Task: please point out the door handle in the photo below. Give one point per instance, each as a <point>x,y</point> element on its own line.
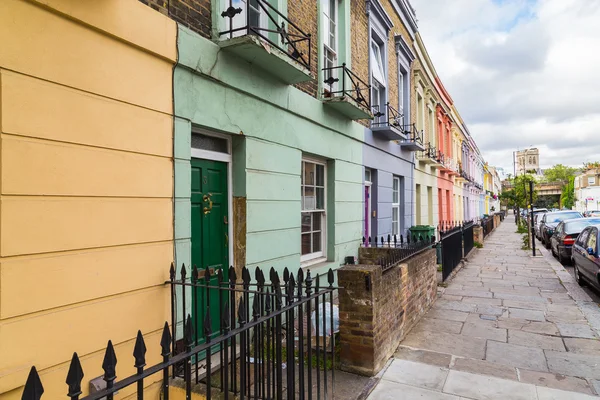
<point>205,198</point>
<point>226,240</point>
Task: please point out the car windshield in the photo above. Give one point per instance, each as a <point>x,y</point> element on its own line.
<point>562,217</point>
<point>578,226</point>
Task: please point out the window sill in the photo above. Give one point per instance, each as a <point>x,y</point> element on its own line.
<point>313,262</point>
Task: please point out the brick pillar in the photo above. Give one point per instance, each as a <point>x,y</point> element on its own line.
<point>478,234</point>
<point>356,304</point>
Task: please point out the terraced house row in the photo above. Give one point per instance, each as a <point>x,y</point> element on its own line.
<point>203,132</point>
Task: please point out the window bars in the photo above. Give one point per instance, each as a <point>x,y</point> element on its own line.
<point>294,41</point>
<point>352,86</point>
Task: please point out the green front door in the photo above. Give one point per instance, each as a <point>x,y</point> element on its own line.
<point>210,241</point>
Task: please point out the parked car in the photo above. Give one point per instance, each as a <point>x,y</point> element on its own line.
<point>585,257</point>
<point>566,234</point>
<point>594,214</point>
<point>537,222</point>
<point>551,220</point>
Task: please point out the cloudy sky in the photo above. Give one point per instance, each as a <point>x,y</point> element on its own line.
<point>521,72</point>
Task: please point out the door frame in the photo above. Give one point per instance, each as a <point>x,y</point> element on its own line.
<point>225,158</point>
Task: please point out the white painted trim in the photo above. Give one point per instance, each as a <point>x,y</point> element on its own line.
<point>324,231</point>
<point>226,158</point>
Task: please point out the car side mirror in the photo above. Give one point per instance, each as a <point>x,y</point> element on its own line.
<point>591,251</point>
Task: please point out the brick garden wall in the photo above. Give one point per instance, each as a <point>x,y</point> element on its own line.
<point>378,309</point>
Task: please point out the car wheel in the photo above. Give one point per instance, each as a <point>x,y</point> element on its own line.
<point>578,276</point>
<point>547,243</point>
<point>562,259</point>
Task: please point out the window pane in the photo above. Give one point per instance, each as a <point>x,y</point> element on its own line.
<point>306,222</point>
<point>320,198</point>
<point>332,35</point>
<point>316,221</point>
<point>332,9</point>
<point>316,242</point>
<point>396,184</point>
<point>395,214</point>
<point>306,244</point>
<point>394,228</point>
<point>320,175</point>
<point>309,198</point>
<point>395,197</point>
<point>309,173</point>
<point>368,175</point>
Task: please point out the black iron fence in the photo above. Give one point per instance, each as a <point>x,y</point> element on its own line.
<point>399,250</point>
<point>352,86</point>
<point>468,239</point>
<point>488,225</point>
<point>456,242</point>
<point>261,19</point>
<point>264,340</point>
<point>452,250</point>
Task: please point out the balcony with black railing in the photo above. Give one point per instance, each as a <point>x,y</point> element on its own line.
<point>388,123</point>
<point>431,155</point>
<point>346,93</point>
<point>414,139</point>
<point>263,36</point>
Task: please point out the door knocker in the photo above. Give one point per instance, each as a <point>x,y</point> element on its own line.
<point>208,209</point>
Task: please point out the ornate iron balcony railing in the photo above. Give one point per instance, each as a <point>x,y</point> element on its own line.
<point>393,118</point>
<point>294,41</point>
<point>413,135</point>
<point>351,85</point>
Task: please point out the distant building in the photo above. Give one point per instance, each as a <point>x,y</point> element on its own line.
<point>587,190</point>
<point>528,161</point>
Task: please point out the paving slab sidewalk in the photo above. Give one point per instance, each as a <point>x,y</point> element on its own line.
<point>508,326</point>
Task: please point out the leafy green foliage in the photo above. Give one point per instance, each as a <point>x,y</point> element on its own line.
<point>568,194</point>
<point>559,173</point>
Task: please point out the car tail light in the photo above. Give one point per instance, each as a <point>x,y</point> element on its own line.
<point>569,241</point>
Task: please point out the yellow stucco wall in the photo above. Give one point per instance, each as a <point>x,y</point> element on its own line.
<point>86,184</point>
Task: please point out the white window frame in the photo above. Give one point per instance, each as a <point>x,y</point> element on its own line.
<point>591,180</point>
<point>263,19</point>
<point>317,256</point>
<point>326,18</point>
<point>396,205</point>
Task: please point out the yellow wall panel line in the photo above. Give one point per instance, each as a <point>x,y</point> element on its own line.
<point>49,339</point>
<point>32,225</point>
<point>38,108</point>
<point>107,272</point>
<point>42,167</point>
<point>149,30</point>
<point>45,45</point>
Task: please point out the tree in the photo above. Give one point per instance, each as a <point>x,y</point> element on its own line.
<point>559,173</point>
<point>518,195</point>
<point>568,194</point>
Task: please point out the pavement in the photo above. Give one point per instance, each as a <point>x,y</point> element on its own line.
<point>508,326</point>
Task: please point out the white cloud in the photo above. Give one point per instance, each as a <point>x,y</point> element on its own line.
<point>521,72</point>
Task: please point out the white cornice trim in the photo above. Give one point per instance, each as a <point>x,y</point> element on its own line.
<point>382,14</point>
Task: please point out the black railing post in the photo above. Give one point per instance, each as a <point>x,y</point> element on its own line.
<point>173,315</point>
<point>109,366</point>
<point>33,386</point>
<point>139,353</point>
<point>308,284</point>
<point>165,343</point>
<point>74,378</point>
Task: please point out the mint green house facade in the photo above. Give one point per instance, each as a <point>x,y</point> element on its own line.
<point>265,174</point>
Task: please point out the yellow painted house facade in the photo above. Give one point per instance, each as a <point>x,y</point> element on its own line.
<point>86,210</point>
